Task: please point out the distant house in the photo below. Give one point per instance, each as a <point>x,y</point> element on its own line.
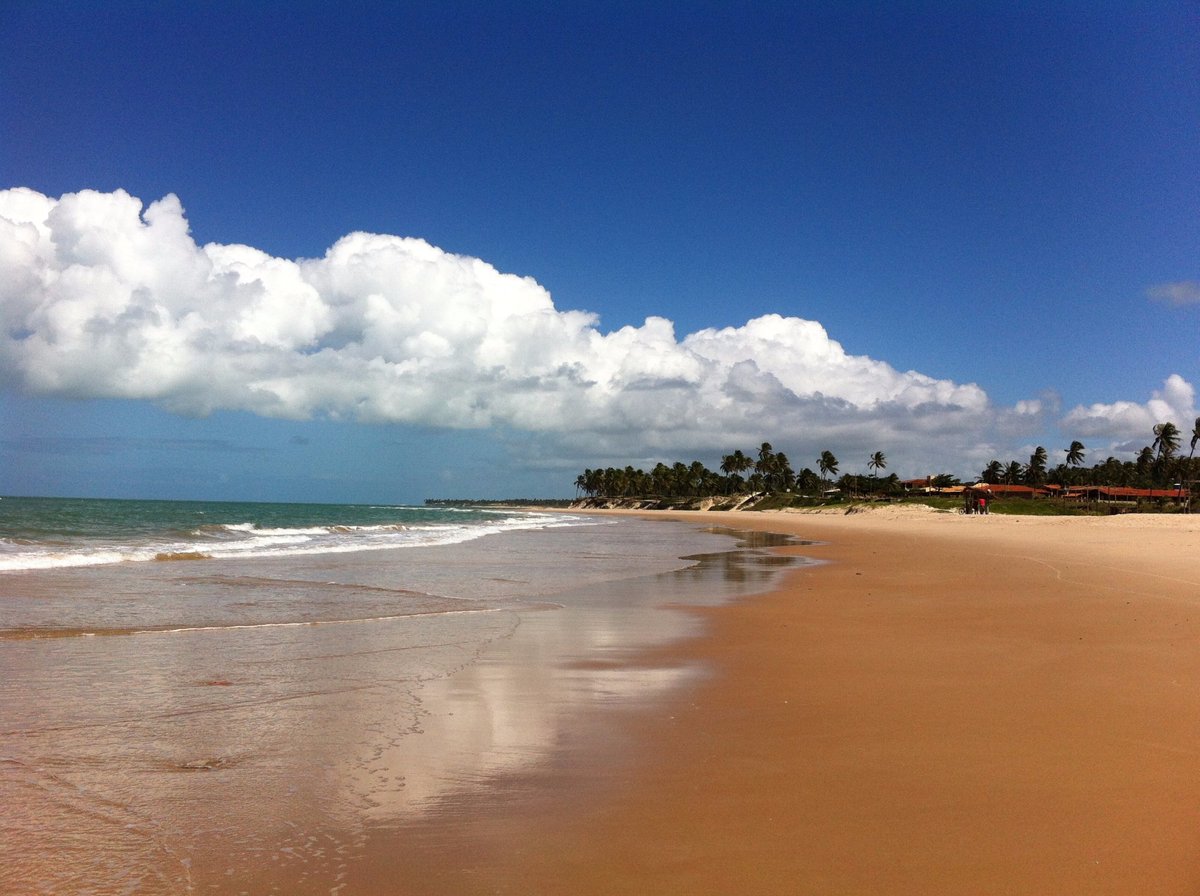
<point>1000,490</point>
<point>1123,494</point>
<point>925,486</point>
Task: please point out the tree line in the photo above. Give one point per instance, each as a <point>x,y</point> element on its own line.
<point>766,470</point>
<point>1160,464</point>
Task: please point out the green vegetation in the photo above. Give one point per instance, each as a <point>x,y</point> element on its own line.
<point>771,473</point>
<point>1158,466</point>
<point>768,483</point>
<point>766,480</point>
<point>1013,506</point>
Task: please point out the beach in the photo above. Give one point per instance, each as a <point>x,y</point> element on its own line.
<point>238,698</point>
<point>949,704</point>
<point>917,702</point>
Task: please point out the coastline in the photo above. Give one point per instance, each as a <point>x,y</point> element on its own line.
<point>244,726</point>
<point>950,704</point>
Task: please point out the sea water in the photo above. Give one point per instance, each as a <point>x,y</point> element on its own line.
<point>51,533</point>
<point>191,692</point>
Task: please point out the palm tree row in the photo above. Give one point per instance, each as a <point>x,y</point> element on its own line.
<point>767,471</point>
<point>1158,465</point>
<point>678,480</point>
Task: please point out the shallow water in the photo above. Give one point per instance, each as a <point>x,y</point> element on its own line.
<point>180,727</point>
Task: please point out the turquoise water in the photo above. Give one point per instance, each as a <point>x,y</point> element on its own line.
<point>46,533</point>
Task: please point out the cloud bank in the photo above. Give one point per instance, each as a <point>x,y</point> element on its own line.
<point>1176,401</point>
<point>102,297</point>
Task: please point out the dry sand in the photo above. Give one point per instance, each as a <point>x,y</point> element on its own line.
<point>950,705</point>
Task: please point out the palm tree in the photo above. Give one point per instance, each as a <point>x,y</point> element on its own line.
<point>851,484</point>
<point>807,481</point>
<point>992,472</point>
<point>877,462</point>
<point>733,465</point>
<point>1166,439</point>
<point>785,476</point>
<point>679,479</point>
<point>828,464</point>
<point>1035,472</point>
<point>1075,454</point>
<point>736,462</point>
<point>766,465</point>
<point>1166,443</point>
<point>660,480</point>
<point>766,460</point>
<point>1187,472</point>
<point>1111,472</point>
<point>1014,472</point>
<point>1145,460</point>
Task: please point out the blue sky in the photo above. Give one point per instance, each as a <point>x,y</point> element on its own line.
<point>963,229</point>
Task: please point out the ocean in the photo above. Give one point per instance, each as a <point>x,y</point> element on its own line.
<point>195,694</point>
<point>49,533</point>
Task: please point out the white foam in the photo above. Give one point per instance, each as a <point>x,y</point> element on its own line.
<point>245,540</point>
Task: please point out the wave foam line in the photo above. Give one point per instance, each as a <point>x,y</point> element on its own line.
<point>261,543</point>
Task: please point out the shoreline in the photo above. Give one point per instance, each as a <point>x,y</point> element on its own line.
<point>952,704</point>
<point>280,714</point>
<point>242,726</point>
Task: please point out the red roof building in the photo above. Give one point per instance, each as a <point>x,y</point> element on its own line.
<point>1125,493</point>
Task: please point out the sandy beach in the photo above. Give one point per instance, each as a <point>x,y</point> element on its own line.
<point>949,704</point>
<point>910,702</point>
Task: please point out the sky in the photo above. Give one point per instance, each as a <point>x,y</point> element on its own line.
<point>376,252</point>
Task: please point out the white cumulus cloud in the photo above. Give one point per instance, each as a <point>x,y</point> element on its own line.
<point>101,296</point>
<point>1125,420</point>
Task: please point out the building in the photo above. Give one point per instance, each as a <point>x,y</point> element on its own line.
<point>1125,495</point>
<point>998,490</point>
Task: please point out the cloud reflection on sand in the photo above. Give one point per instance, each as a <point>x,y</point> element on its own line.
<point>198,756</point>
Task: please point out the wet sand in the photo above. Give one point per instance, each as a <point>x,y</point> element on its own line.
<point>252,726</point>
<point>951,704</point>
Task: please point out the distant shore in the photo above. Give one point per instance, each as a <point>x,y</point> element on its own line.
<point>945,503</point>
<point>950,704</point>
